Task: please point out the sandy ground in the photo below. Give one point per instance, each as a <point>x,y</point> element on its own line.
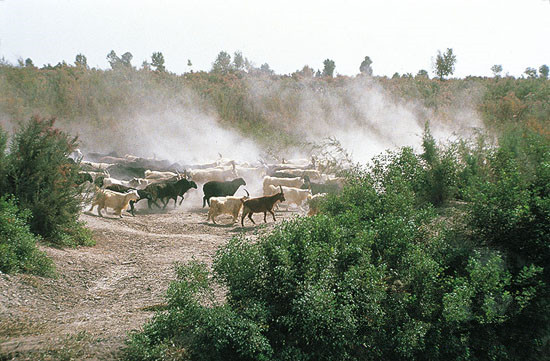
<point>103,292</point>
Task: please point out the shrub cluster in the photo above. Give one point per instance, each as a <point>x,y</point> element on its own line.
<point>45,199</point>
<point>381,275</point>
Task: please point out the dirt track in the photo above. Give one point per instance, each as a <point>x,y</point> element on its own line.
<point>105,291</point>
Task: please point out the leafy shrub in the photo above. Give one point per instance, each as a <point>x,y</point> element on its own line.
<point>377,276</point>
<point>510,210</point>
<point>43,180</point>
<point>18,249</point>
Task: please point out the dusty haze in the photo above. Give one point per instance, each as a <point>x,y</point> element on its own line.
<point>362,115</point>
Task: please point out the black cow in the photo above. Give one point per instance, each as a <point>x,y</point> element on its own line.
<point>170,190</point>
<point>220,189</point>
<point>143,194</point>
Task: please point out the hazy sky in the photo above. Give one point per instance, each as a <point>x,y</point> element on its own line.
<point>398,35</point>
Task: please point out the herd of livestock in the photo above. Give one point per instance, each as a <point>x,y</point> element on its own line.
<point>120,182</point>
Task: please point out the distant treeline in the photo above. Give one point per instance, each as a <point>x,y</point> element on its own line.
<point>77,93</point>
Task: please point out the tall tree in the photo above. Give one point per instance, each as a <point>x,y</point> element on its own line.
<point>329,67</point>
<point>543,71</point>
<point>126,59</point>
<point>222,64</point>
<point>113,60</point>
<point>238,60</point>
<point>365,67</point>
<point>445,63</point>
<point>157,61</point>
<point>496,69</point>
<point>81,61</point>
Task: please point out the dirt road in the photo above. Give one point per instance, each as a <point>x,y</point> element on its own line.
<point>105,291</point>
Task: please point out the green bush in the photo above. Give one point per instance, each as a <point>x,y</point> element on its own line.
<point>42,178</point>
<point>18,248</point>
<point>510,210</point>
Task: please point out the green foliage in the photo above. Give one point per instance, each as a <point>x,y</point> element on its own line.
<point>81,61</point>
<point>18,246</point>
<point>378,275</point>
<point>423,74</point>
<point>510,212</point>
<point>496,69</point>
<point>43,180</point>
<point>445,63</point>
<point>543,71</point>
<point>365,67</point>
<point>222,64</point>
<point>530,72</point>
<point>328,68</point>
<point>157,61</point>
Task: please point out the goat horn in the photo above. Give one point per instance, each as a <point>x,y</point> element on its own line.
<point>280,186</point>
<point>247,194</point>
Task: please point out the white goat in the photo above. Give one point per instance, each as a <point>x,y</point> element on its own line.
<point>274,181</point>
<point>112,199</point>
<point>293,195</point>
<point>213,174</point>
<point>225,205</point>
<point>313,174</point>
<point>153,174</point>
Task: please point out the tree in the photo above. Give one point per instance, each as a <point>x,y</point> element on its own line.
<point>222,64</point>
<point>113,60</point>
<point>126,59</point>
<point>365,67</point>
<point>238,60</point>
<point>306,72</point>
<point>29,63</point>
<point>445,63</point>
<point>496,69</point>
<point>530,72</point>
<point>264,68</point>
<point>81,61</point>
<point>43,180</point>
<point>157,60</point>
<point>543,71</point>
<point>396,75</point>
<point>422,74</point>
<point>329,67</point>
<point>189,62</point>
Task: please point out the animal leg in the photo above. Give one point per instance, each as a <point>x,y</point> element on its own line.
<point>265,215</point>
<point>273,214</point>
<point>132,208</point>
<point>99,211</point>
<point>204,202</point>
<point>250,217</point>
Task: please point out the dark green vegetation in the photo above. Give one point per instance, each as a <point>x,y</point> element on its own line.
<point>441,255</point>
<point>43,202</point>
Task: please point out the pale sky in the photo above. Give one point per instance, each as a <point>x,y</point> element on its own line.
<point>398,35</point>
